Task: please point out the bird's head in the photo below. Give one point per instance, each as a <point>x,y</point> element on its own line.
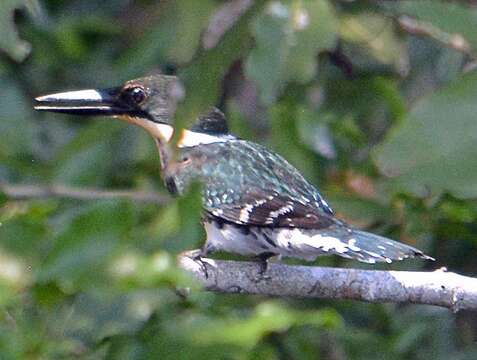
<point>148,102</point>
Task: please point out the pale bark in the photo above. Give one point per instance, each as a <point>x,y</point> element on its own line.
<point>438,287</point>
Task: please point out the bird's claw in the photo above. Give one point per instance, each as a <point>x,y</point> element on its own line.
<point>197,256</point>
<point>262,268</point>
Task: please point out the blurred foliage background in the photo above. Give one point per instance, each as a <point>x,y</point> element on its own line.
<point>375,101</point>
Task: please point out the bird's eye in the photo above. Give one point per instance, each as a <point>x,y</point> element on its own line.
<point>137,94</point>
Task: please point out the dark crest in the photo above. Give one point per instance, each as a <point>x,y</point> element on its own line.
<point>212,123</point>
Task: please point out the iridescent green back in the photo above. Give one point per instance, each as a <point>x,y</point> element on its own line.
<point>230,170</point>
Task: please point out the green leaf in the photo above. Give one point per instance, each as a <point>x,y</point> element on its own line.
<point>373,36</point>
<point>84,244</point>
<point>23,228</point>
<point>358,209</point>
<point>432,149</point>
<point>203,78</point>
<point>87,158</point>
<point>268,317</point>
<point>176,36</point>
<point>285,139</point>
<point>187,19</point>
<point>289,35</point>
<point>73,33</point>
<point>190,210</point>
<point>134,270</point>
<point>16,126</point>
<point>102,313</point>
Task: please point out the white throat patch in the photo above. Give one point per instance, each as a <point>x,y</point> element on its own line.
<point>165,132</point>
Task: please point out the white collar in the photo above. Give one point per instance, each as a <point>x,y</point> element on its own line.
<point>187,138</point>
<point>191,138</point>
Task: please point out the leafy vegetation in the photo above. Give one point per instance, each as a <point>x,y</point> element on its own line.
<point>373,101</point>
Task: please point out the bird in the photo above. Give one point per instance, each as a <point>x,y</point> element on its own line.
<point>255,203</point>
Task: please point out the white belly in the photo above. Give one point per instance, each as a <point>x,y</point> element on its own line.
<point>305,244</point>
<point>284,242</point>
<point>230,239</point>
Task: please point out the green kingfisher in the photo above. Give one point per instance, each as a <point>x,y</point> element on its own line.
<point>255,203</point>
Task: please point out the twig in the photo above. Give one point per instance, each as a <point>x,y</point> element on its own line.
<point>222,20</point>
<point>419,28</point>
<point>30,192</point>
<point>439,288</point>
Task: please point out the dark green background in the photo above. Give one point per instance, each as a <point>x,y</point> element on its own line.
<point>382,121</point>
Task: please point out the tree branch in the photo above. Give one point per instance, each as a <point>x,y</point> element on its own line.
<point>419,28</point>
<point>38,192</point>
<point>222,20</point>
<point>439,287</point>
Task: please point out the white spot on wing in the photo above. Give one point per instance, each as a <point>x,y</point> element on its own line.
<point>245,213</point>
<point>298,239</point>
<point>282,211</point>
<point>373,254</point>
<point>352,245</point>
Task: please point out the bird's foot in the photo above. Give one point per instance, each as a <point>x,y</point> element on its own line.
<point>197,255</point>
<point>262,260</point>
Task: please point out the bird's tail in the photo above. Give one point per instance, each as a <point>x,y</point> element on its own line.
<point>371,248</point>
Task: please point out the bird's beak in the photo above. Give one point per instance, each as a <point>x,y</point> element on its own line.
<point>104,102</point>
